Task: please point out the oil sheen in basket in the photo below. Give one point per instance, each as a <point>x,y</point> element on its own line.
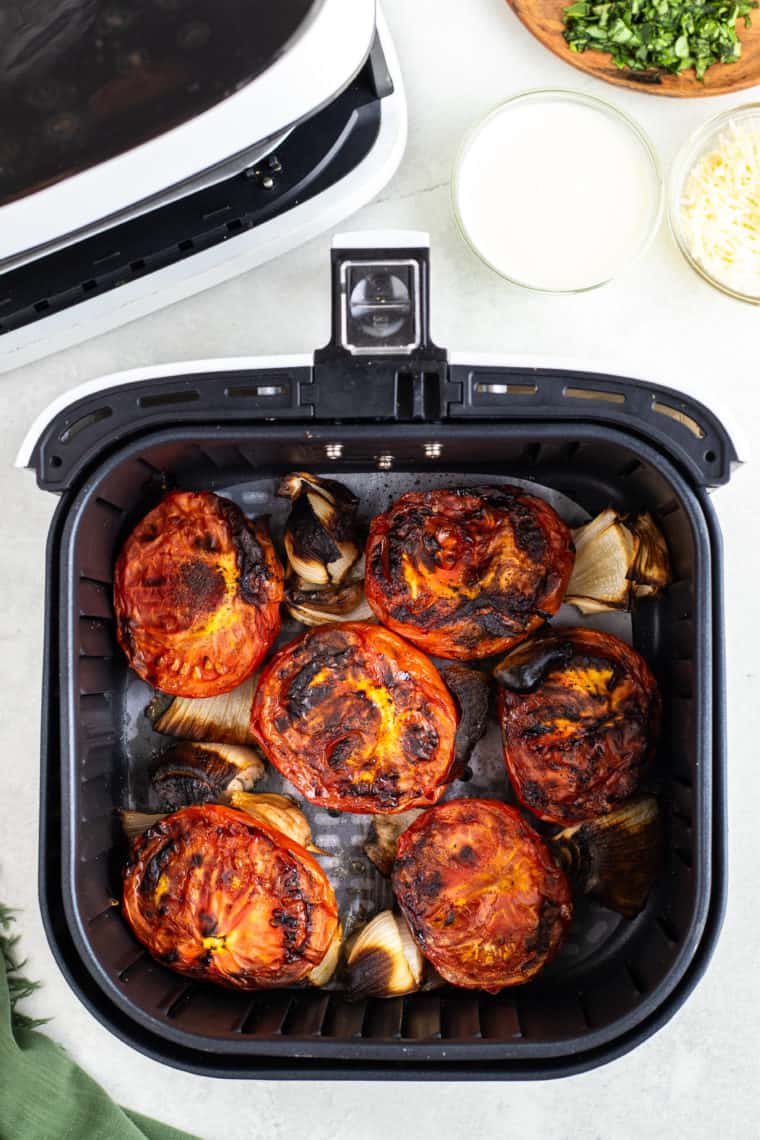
<point>360,890</point>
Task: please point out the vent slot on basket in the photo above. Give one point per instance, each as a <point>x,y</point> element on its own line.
<point>255,391</point>
<point>594,394</point>
<point>267,1014</point>
<point>484,389</point>
<point>679,417</point>
<point>421,1020</point>
<point>460,1017</point>
<point>84,422</point>
<point>165,399</point>
<point>500,1019</point>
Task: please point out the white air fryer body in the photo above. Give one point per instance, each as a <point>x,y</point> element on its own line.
<point>229,137</point>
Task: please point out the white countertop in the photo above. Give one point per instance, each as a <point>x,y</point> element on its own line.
<point>698,1076</point>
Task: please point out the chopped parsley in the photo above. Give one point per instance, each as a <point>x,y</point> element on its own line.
<point>664,35</point>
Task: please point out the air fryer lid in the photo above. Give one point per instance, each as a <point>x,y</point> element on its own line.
<point>84,80</point>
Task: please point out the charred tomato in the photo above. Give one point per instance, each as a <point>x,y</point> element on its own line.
<point>580,714</point>
<point>357,720</point>
<point>219,897</point>
<point>197,592</point>
<point>466,573</point>
<point>484,899</point>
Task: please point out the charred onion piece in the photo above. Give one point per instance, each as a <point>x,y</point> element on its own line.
<point>320,605</point>
<point>383,960</point>
<point>323,973</point>
<point>465,574</point>
<point>356,719</point>
<point>484,899</point>
<point>604,553</point>
<point>524,668</point>
<point>470,691</point>
<point>226,717</point>
<point>651,568</point>
<point>134,823</point>
<point>615,858</point>
<point>320,535</point>
<point>217,896</point>
<point>580,714</point>
<point>617,560</point>
<point>277,811</point>
<point>382,837</point>
<point>190,773</point>
<point>197,592</point>
<point>281,813</point>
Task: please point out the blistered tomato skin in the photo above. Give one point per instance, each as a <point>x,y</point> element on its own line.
<point>464,574</point>
<point>482,895</point>
<point>219,897</point>
<point>577,741</point>
<point>357,720</point>
<point>197,592</point>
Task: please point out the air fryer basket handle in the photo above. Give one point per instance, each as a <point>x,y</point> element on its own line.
<point>381,362</point>
<point>380,299</point>
<point>380,365</point>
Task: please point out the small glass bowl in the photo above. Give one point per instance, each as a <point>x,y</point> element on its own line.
<point>562,96</point>
<point>698,144</point>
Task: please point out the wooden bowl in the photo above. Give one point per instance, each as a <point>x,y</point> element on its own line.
<point>544,19</point>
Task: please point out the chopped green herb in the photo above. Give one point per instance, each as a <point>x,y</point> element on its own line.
<point>664,35</point>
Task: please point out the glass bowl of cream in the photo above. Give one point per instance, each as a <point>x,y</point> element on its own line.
<point>714,202</point>
<point>557,191</point>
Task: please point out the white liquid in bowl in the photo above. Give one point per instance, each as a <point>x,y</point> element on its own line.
<point>557,192</point>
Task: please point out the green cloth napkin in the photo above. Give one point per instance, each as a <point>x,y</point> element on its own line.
<point>44,1095</point>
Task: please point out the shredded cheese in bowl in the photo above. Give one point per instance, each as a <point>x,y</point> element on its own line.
<point>715,202</point>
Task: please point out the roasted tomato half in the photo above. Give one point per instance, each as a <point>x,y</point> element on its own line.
<point>465,574</point>
<point>197,593</point>
<point>357,719</point>
<point>484,899</point>
<point>217,896</point>
<point>580,715</point>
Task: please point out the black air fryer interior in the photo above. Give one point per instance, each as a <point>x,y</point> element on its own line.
<point>578,1008</point>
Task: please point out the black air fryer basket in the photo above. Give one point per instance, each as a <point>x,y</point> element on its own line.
<point>383,409</point>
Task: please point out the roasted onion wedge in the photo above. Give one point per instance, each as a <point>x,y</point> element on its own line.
<point>470,690</point>
<point>357,720</point>
<point>321,605</point>
<point>225,717</point>
<point>217,896</point>
<point>616,858</point>
<point>321,541</point>
<point>136,823</point>
<point>197,593</point>
<point>482,894</point>
<point>190,773</point>
<point>382,839</point>
<point>322,974</point>
<point>278,812</point>
<point>617,560</point>
<point>580,715</point>
<point>384,960</point>
<point>466,573</point>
